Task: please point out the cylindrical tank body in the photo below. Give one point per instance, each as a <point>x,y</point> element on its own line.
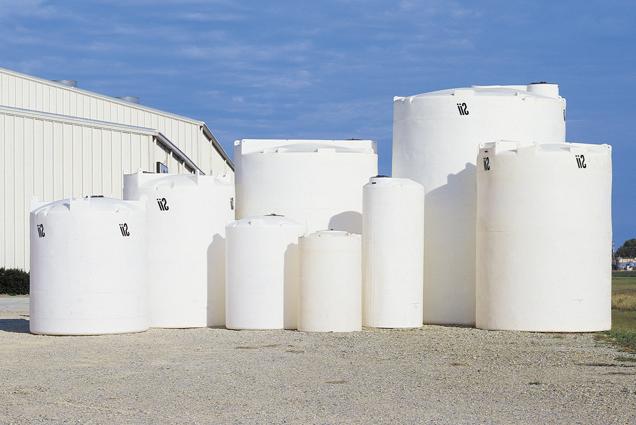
<point>392,253</point>
<point>262,273</point>
<point>186,218</point>
<point>436,139</point>
<point>330,282</point>
<point>87,269</point>
<point>315,182</point>
<point>544,237</point>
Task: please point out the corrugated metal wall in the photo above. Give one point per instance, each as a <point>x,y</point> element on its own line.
<point>48,159</point>
<point>21,91</point>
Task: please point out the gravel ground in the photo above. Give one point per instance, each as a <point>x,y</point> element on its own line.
<point>433,374</point>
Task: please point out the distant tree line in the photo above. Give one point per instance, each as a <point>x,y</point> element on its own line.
<point>627,250</point>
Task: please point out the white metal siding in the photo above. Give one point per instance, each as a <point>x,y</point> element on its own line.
<point>21,91</point>
<point>47,159</point>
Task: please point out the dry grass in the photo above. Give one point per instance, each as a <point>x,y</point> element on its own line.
<point>624,311</point>
<point>624,302</point>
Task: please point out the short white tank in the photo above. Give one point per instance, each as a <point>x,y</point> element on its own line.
<point>544,237</point>
<point>262,273</point>
<point>436,139</point>
<point>87,269</point>
<point>393,253</point>
<point>186,218</point>
<point>315,182</point>
<point>330,282</point>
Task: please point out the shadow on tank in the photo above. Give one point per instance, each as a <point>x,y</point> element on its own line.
<point>350,221</point>
<point>216,282</point>
<point>291,287</point>
<point>449,250</point>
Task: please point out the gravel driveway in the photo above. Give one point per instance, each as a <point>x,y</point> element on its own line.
<point>433,374</point>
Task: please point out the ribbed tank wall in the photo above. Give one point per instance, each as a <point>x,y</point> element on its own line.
<point>436,138</point>
<point>315,182</point>
<point>186,218</point>
<point>393,253</point>
<point>87,274</point>
<point>544,237</point>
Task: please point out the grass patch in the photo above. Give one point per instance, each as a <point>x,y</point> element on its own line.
<point>623,330</point>
<point>624,302</point>
<point>624,274</point>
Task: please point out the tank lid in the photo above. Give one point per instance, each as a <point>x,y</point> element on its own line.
<point>539,88</point>
<point>157,180</point>
<point>247,146</point>
<point>502,146</point>
<point>393,181</point>
<point>314,148</point>
<point>332,234</point>
<point>94,203</point>
<point>270,220</point>
<point>543,88</point>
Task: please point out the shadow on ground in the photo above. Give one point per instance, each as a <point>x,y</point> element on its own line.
<point>14,325</point>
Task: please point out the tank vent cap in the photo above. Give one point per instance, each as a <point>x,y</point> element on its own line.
<point>543,88</point>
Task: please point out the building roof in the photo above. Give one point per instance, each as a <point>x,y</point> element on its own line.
<point>84,122</point>
<point>202,125</point>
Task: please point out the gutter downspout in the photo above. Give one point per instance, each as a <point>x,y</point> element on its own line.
<point>173,149</point>
<point>208,134</point>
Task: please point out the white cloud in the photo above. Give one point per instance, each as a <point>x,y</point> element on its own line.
<point>26,8</point>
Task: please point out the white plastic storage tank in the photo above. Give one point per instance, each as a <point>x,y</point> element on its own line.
<point>186,218</point>
<point>262,273</point>
<point>330,282</point>
<point>544,237</point>
<point>316,182</point>
<point>87,270</point>
<point>436,139</point>
<point>393,253</point>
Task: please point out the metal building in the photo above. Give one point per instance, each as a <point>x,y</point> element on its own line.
<point>58,141</point>
<point>191,136</point>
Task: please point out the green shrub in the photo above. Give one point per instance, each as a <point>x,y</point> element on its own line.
<point>14,282</point>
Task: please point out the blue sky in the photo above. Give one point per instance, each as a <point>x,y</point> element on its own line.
<point>329,69</point>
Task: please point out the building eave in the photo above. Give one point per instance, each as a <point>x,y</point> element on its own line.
<point>208,134</point>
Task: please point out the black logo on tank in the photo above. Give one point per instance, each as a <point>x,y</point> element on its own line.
<point>580,161</point>
<point>123,227</point>
<point>163,204</point>
<point>462,108</point>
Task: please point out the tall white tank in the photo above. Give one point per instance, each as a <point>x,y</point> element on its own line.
<point>544,237</point>
<point>330,282</point>
<point>262,273</point>
<point>436,139</point>
<point>393,253</point>
<point>315,182</point>
<point>87,269</point>
<point>186,218</point>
